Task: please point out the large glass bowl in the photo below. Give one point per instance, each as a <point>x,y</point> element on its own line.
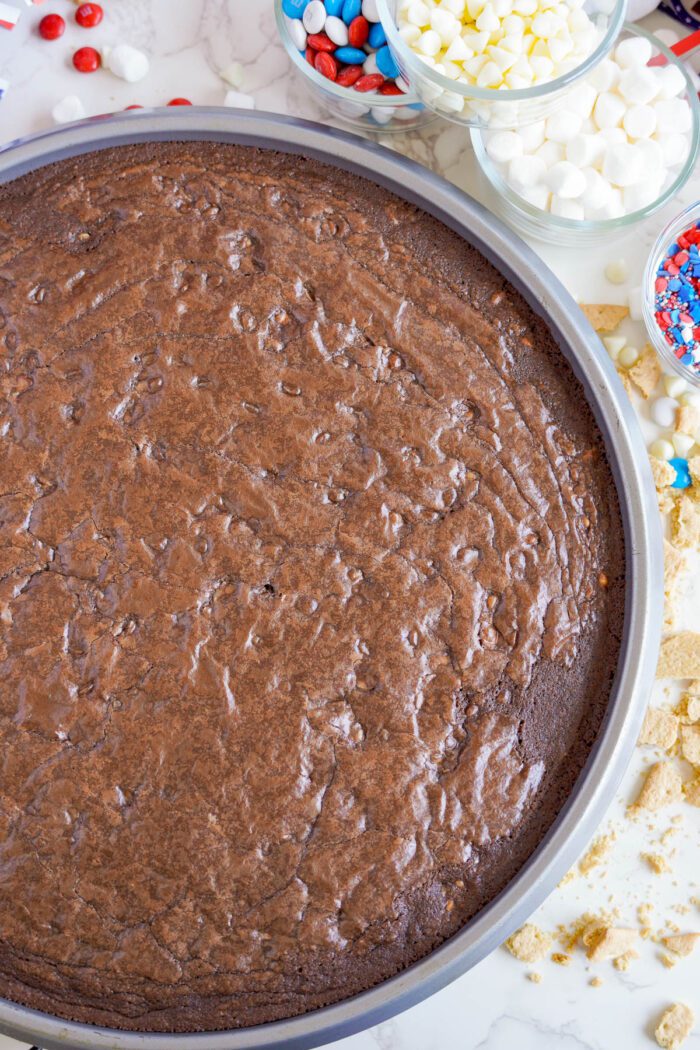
<point>364,111</point>
<point>534,222</point>
<point>492,107</point>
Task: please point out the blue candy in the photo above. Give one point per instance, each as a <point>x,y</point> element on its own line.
<point>683,479</point>
<point>354,56</point>
<point>351,9</point>
<point>377,36</point>
<point>386,63</point>
<point>294,8</point>
<point>334,7</point>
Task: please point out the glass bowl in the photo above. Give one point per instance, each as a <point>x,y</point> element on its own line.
<point>542,225</point>
<point>689,217</point>
<point>497,107</point>
<point>364,111</point>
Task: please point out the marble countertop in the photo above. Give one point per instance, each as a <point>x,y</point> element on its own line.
<point>494,1006</point>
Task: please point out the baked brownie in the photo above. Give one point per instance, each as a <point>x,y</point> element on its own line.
<point>311,586</point>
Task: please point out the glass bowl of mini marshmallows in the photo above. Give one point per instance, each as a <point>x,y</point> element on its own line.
<point>498,63</point>
<point>621,144</point>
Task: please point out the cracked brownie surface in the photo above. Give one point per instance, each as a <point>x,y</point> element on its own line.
<point>311,586</point>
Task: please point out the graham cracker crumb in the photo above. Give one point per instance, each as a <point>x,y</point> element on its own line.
<point>604,317</point>
<point>536,978</point>
<point>623,962</point>
<point>688,419</point>
<point>690,744</point>
<point>644,912</point>
<point>680,655</point>
<point>658,863</point>
<point>685,525</point>
<point>659,729</point>
<point>561,958</point>
<point>529,943</point>
<point>646,371</point>
<point>666,502</point>
<point>669,961</point>
<point>569,877</point>
<point>596,982</point>
<point>691,791</point>
<point>694,468</point>
<point>674,579</point>
<point>607,942</point>
<point>661,787</point>
<point>597,853</point>
<point>675,1026</point>
<point>663,473</point>
<point>682,943</point>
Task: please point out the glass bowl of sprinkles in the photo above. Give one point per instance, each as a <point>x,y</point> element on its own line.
<point>446,52</point>
<point>671,299</point>
<point>344,60</point>
<point>586,173</point>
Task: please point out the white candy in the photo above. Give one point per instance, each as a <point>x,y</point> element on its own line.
<point>565,180</point>
<point>429,43</point>
<point>622,165</point>
<point>239,100</point>
<point>458,51</point>
<point>532,136</point>
<point>597,193</point>
<point>369,10</point>
<point>336,30</point>
<point>417,13</point>
<point>526,171</point>
<point>503,146</point>
<point>314,17</point>
<point>585,150</point>
<point>566,209</point>
<point>633,51</point>
<point>382,116</point>
<point>616,272</point>
<point>233,74</point>
<point>639,122</point>
<point>297,33</point>
<point>369,66</point>
<point>682,443</point>
<point>445,25</point>
<point>614,344</point>
<point>639,85</point>
<point>68,109</point>
<point>674,386</point>
<point>663,411</point>
<point>608,110</point>
<point>690,398</point>
<point>129,63</point>
<point>671,81</point>
<point>661,449</point>
<point>673,113</point>
<point>563,126</point>
<point>628,357</point>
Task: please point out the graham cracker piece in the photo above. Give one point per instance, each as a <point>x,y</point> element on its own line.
<point>685,523</point>
<point>536,978</point>
<point>561,958</point>
<point>664,474</point>
<point>682,943</point>
<point>662,786</point>
<point>604,317</point>
<point>674,578</point>
<point>626,381</point>
<point>675,1026</point>
<point>596,854</point>
<point>659,729</point>
<point>646,371</point>
<point>691,791</point>
<point>529,943</point>
<point>680,656</point>
<point>607,942</point>
<point>657,862</point>
<point>623,962</point>
<point>596,982</point>
<point>688,419</point>
<point>694,468</point>
<point>690,744</point>
<point>666,502</point>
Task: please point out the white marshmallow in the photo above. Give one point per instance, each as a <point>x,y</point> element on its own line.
<point>566,209</point>
<point>503,146</point>
<point>640,195</point>
<point>674,385</point>
<point>537,196</point>
<point>639,122</point>
<point>682,443</point>
<point>633,51</point>
<point>239,100</point>
<point>68,109</point>
<point>532,136</point>
<point>233,74</point>
<point>673,113</point>
<point>612,209</point>
<point>585,150</point>
<point>314,17</point>
<point>336,30</point>
<point>623,164</point>
<point>617,272</point>
<point>129,63</point>
<point>639,85</point>
<point>597,192</point>
<point>671,81</point>
<point>674,149</point>
<point>551,153</point>
<point>563,126</point>
<point>663,411</point>
<point>608,110</point>
<point>581,99</point>
<point>526,171</point>
<point>565,180</point>
<point>605,76</point>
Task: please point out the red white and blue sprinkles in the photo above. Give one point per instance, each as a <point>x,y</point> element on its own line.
<point>677,297</point>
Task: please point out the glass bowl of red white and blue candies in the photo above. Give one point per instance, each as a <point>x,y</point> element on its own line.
<point>340,49</point>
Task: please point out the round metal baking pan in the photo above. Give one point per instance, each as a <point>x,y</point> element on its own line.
<point>644,597</point>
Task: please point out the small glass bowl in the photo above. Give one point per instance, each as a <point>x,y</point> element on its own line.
<point>668,235</point>
<point>365,111</point>
<point>497,107</point>
<point>542,225</point>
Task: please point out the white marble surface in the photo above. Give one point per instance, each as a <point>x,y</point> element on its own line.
<point>494,1006</point>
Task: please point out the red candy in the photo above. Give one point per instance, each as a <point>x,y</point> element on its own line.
<point>390,89</point>
<point>320,42</point>
<point>134,106</point>
<point>310,55</point>
<point>326,65</point>
<point>369,82</point>
<point>89,15</point>
<point>52,27</point>
<point>179,102</point>
<point>87,60</point>
<point>349,76</point>
<point>358,31</point>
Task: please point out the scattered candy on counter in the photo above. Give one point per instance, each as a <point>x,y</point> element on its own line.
<point>68,109</point>
<point>126,62</point>
<point>677,297</point>
<point>179,102</point>
<point>239,100</point>
<point>498,43</point>
<point>345,42</point>
<point>89,15</point>
<point>612,146</point>
<point>52,27</point>
<point>9,16</point>
<point>232,74</point>
<point>87,60</point>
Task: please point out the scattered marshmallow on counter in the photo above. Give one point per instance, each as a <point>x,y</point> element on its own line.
<point>233,74</point>
<point>611,148</point>
<point>498,43</point>
<point>68,109</point>
<point>126,62</point>
<point>239,100</point>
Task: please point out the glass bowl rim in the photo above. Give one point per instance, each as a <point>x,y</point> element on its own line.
<point>557,223</point>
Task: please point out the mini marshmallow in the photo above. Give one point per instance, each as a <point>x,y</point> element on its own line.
<point>614,344</point>
<point>233,73</point>
<point>566,209</point>
<point>639,85</point>
<point>537,196</point>
<point>673,113</point>
<point>633,51</point>
<point>565,180</point>
<point>532,136</point>
<point>623,164</point>
<point>605,76</point>
<point>671,81</point>
<point>608,110</point>
<point>526,171</point>
<point>585,150</point>
<point>663,411</point>
<point>640,195</point>
<point>640,122</point>
<point>581,99</point>
<point>674,149</point>
<point>563,126</point>
<point>127,62</point>
<point>612,209</point>
<point>239,100</point>
<point>682,443</point>
<point>68,109</point>
<point>597,192</point>
<point>503,146</point>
